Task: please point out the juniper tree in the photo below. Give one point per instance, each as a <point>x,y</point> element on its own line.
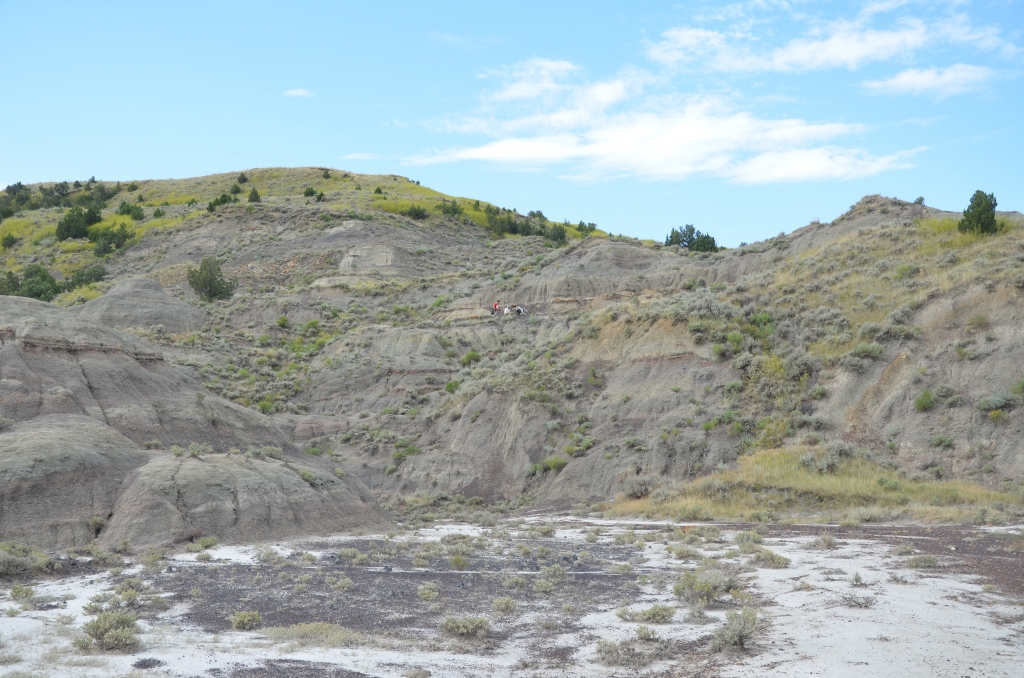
<point>209,282</point>
<point>980,215</point>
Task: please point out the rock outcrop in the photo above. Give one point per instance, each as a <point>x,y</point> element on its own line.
<point>55,362</point>
<point>79,401</point>
<point>140,302</point>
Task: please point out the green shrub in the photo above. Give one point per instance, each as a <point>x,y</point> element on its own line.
<point>505,605</point>
<point>35,283</point>
<point>738,629</point>
<point>945,442</point>
<point>8,241</point>
<point>556,233</point>
<point>415,212</point>
<point>767,558</point>
<point>242,178</point>
<point>76,223</point>
<point>922,561</point>
<point>84,276</point>
<point>998,401</point>
<point>656,614</point>
<point>21,592</point>
<point>924,402</point>
<point>208,281</point>
<point>889,484</point>
<point>555,463</point>
<point>543,586</point>
<point>458,562</point>
<point>466,626</point>
<point>450,208</point>
<point>750,537</point>
<point>907,271</point>
<point>978,322</point>
<point>452,386</point>
<point>872,351</point>
<point>245,620</point>
<point>705,584</point>
<point>470,358</point>
<point>129,210</point>
<point>113,631</point>
<point>234,190</point>
<point>309,192</point>
<point>254,195</point>
<point>109,239</point>
<point>428,591</point>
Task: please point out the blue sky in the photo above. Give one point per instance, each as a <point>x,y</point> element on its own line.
<point>744,119</point>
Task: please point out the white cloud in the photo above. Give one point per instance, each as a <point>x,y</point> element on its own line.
<point>939,82</point>
<point>816,164</point>
<point>296,93</point>
<point>534,78</point>
<point>360,156</point>
<point>670,141</point>
<point>840,44</point>
<point>843,45</point>
<point>685,44</point>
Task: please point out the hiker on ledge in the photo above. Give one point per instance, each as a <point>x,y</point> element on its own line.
<point>494,308</point>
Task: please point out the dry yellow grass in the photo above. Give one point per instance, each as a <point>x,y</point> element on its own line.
<point>315,634</point>
<point>773,485</point>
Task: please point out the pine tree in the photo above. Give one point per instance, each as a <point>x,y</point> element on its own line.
<point>254,195</point>
<point>980,215</point>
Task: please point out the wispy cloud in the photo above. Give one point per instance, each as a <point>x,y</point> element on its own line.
<point>296,93</point>
<point>612,128</point>
<point>937,82</point>
<point>533,78</point>
<point>846,44</point>
<point>360,156</point>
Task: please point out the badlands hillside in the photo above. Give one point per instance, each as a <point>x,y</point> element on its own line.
<point>356,377</point>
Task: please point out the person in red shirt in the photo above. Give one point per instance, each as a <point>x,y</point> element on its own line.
<point>494,309</point>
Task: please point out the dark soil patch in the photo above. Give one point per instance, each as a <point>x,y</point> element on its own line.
<point>384,599</point>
